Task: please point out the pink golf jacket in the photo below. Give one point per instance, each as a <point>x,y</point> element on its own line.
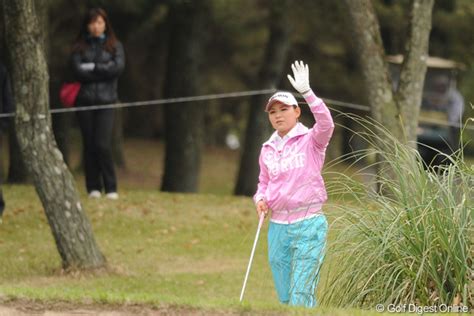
<point>290,179</point>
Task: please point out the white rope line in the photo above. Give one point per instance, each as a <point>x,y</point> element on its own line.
<point>348,105</point>
<point>421,119</point>
<point>157,101</point>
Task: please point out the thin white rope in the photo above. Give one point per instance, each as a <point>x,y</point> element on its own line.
<point>239,94</point>
<point>157,101</point>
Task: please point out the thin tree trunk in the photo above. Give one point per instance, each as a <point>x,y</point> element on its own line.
<point>61,126</point>
<point>396,112</point>
<point>413,71</point>
<point>17,172</point>
<point>42,12</point>
<point>257,124</point>
<point>61,122</point>
<point>53,181</point>
<point>184,122</point>
<point>368,41</point>
<point>16,168</point>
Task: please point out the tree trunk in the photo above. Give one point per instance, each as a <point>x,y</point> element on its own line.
<point>61,125</point>
<point>53,181</point>
<point>62,122</point>
<point>398,112</point>
<point>413,71</point>
<point>257,124</point>
<point>16,168</point>
<point>42,12</point>
<point>17,172</point>
<point>369,47</point>
<point>184,122</point>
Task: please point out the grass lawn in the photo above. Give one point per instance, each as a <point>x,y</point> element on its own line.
<point>144,167</point>
<point>164,250</point>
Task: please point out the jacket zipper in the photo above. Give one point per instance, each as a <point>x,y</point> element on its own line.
<point>96,83</point>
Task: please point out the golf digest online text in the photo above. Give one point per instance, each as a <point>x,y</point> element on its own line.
<point>413,308</point>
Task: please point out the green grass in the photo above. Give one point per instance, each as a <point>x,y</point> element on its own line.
<point>163,250</point>
<point>161,247</point>
<point>144,167</point>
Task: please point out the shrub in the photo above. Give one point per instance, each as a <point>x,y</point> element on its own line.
<point>410,239</point>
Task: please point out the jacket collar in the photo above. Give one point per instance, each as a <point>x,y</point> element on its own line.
<point>92,39</point>
<point>298,130</point>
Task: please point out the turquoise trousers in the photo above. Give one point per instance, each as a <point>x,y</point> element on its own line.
<point>296,252</point>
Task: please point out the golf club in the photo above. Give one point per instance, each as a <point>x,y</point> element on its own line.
<point>260,222</point>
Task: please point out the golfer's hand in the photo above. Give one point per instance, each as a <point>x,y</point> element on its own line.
<point>262,208</point>
<point>300,79</point>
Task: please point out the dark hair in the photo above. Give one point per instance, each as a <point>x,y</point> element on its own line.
<point>81,41</point>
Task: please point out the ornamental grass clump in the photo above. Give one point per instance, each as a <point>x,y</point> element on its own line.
<point>407,239</point>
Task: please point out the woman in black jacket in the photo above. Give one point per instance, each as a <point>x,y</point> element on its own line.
<point>97,61</point>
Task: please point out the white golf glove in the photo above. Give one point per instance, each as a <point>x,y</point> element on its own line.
<point>301,77</point>
<point>87,66</point>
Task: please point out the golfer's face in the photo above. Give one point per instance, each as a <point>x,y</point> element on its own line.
<point>283,117</point>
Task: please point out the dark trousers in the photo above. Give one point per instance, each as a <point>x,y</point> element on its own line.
<point>2,203</point>
<point>97,130</point>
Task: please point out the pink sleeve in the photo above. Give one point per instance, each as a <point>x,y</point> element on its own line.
<point>262,181</point>
<point>324,126</point>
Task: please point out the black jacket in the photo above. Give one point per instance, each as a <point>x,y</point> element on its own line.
<point>98,86</point>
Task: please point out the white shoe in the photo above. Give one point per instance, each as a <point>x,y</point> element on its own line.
<point>112,195</point>
<point>94,194</point>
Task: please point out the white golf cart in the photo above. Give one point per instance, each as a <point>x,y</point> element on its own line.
<point>441,108</point>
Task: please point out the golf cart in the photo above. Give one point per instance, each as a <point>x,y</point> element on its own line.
<point>441,110</point>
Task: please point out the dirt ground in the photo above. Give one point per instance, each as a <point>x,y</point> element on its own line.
<point>22,308</point>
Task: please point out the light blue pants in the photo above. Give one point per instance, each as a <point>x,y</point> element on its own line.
<point>296,252</point>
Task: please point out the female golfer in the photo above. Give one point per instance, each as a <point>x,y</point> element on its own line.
<point>291,186</point>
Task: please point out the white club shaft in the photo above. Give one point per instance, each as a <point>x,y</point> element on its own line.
<point>251,257</point>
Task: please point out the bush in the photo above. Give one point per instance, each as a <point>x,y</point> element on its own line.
<point>408,241</point>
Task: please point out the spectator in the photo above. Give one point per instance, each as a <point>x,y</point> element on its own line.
<point>455,113</point>
<point>97,61</point>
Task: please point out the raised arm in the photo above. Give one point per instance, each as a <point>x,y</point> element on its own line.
<point>324,126</point>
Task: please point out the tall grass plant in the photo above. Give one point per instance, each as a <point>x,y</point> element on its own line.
<point>408,237</point>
